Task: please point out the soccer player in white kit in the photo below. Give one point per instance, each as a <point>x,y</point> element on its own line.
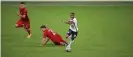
<point>73,30</point>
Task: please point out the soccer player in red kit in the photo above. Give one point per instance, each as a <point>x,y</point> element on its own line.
<point>53,36</point>
<point>24,19</point>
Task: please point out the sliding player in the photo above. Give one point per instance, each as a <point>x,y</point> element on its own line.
<point>24,19</point>
<point>53,36</point>
<point>73,30</point>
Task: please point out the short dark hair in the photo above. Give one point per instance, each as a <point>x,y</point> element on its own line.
<point>73,13</point>
<point>22,3</point>
<point>43,26</point>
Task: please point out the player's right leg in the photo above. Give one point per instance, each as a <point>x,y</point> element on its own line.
<point>19,24</point>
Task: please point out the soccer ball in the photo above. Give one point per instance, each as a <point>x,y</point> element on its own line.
<point>68,49</point>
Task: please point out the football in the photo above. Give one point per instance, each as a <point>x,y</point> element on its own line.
<point>68,49</point>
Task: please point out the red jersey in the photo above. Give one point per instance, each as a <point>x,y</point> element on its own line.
<point>23,11</point>
<point>51,35</point>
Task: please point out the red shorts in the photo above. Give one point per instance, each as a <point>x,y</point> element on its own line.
<point>58,39</point>
<point>21,23</point>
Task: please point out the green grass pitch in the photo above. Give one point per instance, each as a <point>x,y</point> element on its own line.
<point>104,31</point>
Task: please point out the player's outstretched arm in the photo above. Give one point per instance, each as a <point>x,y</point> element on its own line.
<point>18,13</point>
<point>44,41</point>
<point>68,22</point>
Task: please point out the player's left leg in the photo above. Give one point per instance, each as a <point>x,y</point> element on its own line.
<point>27,28</point>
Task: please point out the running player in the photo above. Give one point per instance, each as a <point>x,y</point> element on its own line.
<point>24,19</point>
<point>73,30</point>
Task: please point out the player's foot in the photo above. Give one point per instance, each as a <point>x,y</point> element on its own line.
<point>19,26</point>
<point>29,36</point>
<point>68,47</point>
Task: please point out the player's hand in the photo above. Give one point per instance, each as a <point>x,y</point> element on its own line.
<point>19,15</point>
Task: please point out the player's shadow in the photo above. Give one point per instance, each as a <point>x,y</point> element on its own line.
<point>51,45</point>
<point>48,45</point>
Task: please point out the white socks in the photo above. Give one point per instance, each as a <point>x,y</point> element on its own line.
<point>69,45</point>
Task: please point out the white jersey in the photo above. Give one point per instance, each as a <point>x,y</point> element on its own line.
<point>74,26</point>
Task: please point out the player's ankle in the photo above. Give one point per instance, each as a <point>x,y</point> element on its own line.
<point>29,34</point>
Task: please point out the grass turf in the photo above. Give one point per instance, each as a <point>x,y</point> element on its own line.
<point>104,31</point>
